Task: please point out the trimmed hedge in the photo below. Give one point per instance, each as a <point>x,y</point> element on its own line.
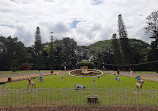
<point>89,64</point>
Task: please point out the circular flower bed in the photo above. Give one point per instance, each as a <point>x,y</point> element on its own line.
<point>88,72</point>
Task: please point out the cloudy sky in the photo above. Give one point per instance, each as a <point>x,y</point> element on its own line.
<point>86,21</point>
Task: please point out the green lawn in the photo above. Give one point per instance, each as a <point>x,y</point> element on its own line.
<point>105,81</point>
<point>110,92</point>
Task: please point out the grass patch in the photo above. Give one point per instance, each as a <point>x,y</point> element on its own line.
<point>105,81</point>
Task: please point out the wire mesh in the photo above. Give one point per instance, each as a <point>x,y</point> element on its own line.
<point>59,97</point>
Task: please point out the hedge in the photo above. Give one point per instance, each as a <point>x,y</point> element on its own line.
<point>89,64</point>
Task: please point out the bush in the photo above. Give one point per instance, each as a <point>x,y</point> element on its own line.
<point>89,64</point>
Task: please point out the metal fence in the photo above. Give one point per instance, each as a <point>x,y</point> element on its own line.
<point>99,98</point>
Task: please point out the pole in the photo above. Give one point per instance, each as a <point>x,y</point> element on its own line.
<point>51,42</point>
<point>51,52</point>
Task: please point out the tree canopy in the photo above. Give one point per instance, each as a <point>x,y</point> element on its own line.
<point>152,30</point>
<point>12,53</point>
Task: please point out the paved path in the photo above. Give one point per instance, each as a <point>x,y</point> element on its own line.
<point>16,78</point>
<point>146,76</point>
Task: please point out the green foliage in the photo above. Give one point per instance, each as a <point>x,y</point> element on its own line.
<point>11,51</point>
<point>152,30</point>
<point>67,53</point>
<point>38,44</point>
<point>89,64</point>
<point>58,55</point>
<point>140,50</point>
<point>14,66</point>
<point>82,53</point>
<point>103,52</point>
<point>38,48</point>
<point>117,55</point>
<point>63,54</point>
<point>126,51</point>
<point>124,42</point>
<point>99,46</point>
<point>153,56</point>
<point>69,47</point>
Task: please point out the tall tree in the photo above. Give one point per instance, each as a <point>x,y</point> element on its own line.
<point>104,57</point>
<point>117,56</point>
<point>39,63</point>
<point>152,29</point>
<point>31,56</point>
<point>69,52</point>
<point>38,44</point>
<point>82,53</point>
<point>124,42</point>
<point>58,55</point>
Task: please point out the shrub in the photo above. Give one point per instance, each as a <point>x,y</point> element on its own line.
<point>89,64</point>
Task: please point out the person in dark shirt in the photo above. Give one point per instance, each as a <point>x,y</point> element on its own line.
<point>118,71</point>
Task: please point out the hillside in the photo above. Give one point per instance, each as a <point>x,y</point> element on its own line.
<point>136,45</point>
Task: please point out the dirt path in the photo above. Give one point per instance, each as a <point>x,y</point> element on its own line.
<point>146,76</point>
<point>16,78</point>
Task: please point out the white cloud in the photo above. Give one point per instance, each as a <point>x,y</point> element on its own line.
<point>98,19</point>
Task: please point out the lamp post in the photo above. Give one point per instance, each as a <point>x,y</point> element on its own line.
<point>51,42</point>
<point>51,51</point>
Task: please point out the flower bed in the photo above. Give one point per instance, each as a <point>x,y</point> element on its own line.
<point>91,72</point>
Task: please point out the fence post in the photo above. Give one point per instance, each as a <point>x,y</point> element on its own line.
<point>51,99</point>
<point>15,97</point>
<point>7,97</point>
<point>145,96</point>
<point>109,95</point>
<point>42,95</point>
<point>27,98</point>
<point>156,98</point>
<point>73,97</point>
<point>137,101</point>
